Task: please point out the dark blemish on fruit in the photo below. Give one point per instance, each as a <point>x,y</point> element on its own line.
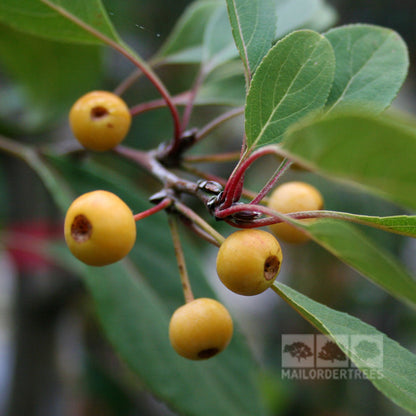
<point>208,353</point>
<point>271,267</point>
<point>81,229</point>
<point>98,112</point>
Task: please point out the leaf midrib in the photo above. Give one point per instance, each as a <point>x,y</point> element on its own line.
<point>242,40</point>
<point>352,79</point>
<point>324,329</point>
<point>268,122</point>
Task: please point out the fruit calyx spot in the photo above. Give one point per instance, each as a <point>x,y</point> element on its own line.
<point>81,229</point>
<point>271,267</point>
<point>208,353</point>
<point>98,112</point>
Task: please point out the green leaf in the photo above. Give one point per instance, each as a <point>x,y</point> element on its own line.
<point>352,247</point>
<point>253,25</point>
<point>184,44</point>
<point>399,224</point>
<point>135,298</point>
<point>376,153</point>
<point>50,178</point>
<point>57,19</point>
<point>294,14</point>
<point>74,21</point>
<point>395,378</point>
<point>48,76</point>
<point>293,80</point>
<point>371,66</point>
<point>219,46</point>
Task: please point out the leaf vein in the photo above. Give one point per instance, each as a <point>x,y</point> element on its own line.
<point>357,73</point>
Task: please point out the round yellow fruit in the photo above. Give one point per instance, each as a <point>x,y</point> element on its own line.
<point>200,329</point>
<point>294,197</point>
<point>99,228</point>
<point>100,120</point>
<point>248,261</point>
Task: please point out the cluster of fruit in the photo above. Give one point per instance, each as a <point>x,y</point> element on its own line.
<point>248,261</point>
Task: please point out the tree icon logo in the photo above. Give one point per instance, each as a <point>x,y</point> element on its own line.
<point>328,352</point>
<point>331,352</point>
<point>368,348</point>
<point>298,350</point>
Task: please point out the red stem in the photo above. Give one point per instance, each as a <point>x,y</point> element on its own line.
<point>190,105</point>
<point>128,82</point>
<point>213,158</point>
<point>235,209</point>
<point>147,71</point>
<point>284,166</point>
<point>155,104</point>
<point>158,85</point>
<point>215,178</point>
<point>238,174</point>
<point>159,207</point>
<point>273,217</point>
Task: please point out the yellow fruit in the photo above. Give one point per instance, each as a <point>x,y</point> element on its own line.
<point>100,120</point>
<point>200,329</point>
<point>248,261</point>
<point>294,197</point>
<point>99,228</point>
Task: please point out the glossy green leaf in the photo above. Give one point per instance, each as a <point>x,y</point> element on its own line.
<point>219,46</point>
<point>394,376</point>
<point>371,66</point>
<point>46,85</point>
<point>184,44</point>
<point>135,298</point>
<point>376,153</point>
<point>293,80</point>
<point>355,249</point>
<point>253,25</point>
<point>60,20</point>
